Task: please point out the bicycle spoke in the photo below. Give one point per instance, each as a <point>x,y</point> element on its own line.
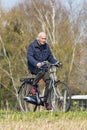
<point>25,106</point>
<point>60,97</point>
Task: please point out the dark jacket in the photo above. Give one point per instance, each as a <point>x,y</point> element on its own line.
<point>37,53</point>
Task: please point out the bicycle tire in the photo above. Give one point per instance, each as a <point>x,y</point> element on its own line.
<point>60,97</point>
<point>24,91</point>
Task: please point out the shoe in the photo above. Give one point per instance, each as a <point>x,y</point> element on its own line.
<point>30,99</point>
<point>48,106</point>
<point>32,90</point>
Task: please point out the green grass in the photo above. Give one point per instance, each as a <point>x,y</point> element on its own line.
<point>11,115</point>
<point>12,120</point>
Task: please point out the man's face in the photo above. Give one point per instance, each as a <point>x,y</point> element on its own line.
<point>42,39</point>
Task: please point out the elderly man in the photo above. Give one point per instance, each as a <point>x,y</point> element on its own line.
<point>39,51</point>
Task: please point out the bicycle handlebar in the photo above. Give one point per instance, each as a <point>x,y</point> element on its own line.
<point>57,64</point>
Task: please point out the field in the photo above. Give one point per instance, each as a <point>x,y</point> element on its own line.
<point>43,120</point>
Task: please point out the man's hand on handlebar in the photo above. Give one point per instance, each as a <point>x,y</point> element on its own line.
<point>58,64</point>
<point>39,64</point>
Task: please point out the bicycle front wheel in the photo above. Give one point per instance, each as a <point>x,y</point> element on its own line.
<point>60,97</point>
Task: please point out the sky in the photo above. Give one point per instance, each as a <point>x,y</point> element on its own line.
<point>8,4</point>
<point>75,3</point>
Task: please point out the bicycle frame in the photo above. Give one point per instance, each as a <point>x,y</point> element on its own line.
<point>55,93</point>
<point>53,79</point>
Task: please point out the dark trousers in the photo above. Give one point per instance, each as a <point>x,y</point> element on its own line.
<point>46,77</point>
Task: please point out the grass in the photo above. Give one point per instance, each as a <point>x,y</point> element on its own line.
<point>10,120</point>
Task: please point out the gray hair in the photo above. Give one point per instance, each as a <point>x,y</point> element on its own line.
<point>38,36</point>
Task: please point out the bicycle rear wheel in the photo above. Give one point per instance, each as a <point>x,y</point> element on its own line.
<point>24,91</point>
<point>60,97</point>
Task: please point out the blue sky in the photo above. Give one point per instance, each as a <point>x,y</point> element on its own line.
<point>75,3</point>
<point>7,4</point>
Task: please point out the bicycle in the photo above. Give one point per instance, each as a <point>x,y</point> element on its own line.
<point>59,95</point>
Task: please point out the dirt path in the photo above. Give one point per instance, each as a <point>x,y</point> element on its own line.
<point>44,124</point>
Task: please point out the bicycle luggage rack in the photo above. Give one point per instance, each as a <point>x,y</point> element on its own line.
<point>27,80</point>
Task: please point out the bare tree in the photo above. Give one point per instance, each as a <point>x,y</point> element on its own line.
<point>76,34</point>
<point>9,73</point>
